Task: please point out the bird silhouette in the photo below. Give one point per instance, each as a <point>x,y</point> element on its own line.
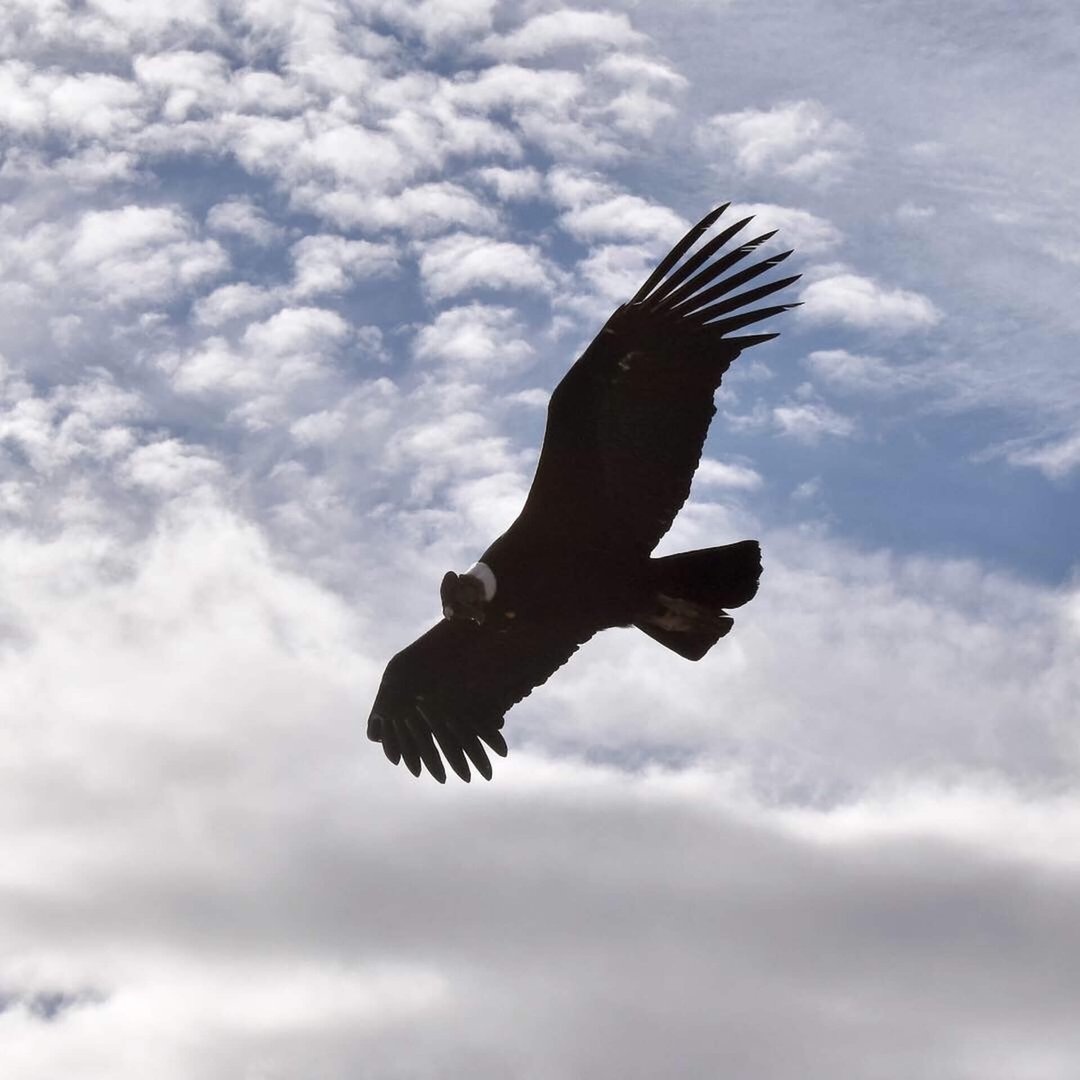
<point>624,436</point>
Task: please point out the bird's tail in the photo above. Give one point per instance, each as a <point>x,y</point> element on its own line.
<point>691,591</point>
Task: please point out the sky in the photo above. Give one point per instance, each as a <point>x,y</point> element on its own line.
<point>284,287</point>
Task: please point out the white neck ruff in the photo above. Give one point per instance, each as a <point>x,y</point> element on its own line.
<point>482,573</point>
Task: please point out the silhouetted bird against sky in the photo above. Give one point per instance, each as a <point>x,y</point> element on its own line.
<point>625,430</point>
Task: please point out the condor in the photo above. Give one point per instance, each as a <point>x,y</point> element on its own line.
<point>625,430</point>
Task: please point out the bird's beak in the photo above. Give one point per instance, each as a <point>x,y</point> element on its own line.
<point>463,599</point>
<point>474,612</point>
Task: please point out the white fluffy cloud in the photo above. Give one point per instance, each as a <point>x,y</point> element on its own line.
<point>478,337</point>
<point>330,264</point>
<point>421,210</point>
<point>594,209</point>
<point>615,272</point>
<point>799,140</point>
<point>171,467</point>
<point>184,82</point>
<point>726,474</point>
<point>269,362</point>
<point>848,669</point>
<point>234,768</point>
<point>240,300</point>
<point>807,421</point>
<point>808,233</point>
<point>241,217</point>
<point>861,302</point>
<point>442,22</point>
<point>636,70</point>
<point>86,420</point>
<point>622,217</point>
<point>512,184</point>
<point>82,106</point>
<point>1057,458</point>
<point>137,255</point>
<point>567,28</point>
<point>462,263</point>
<point>858,373</point>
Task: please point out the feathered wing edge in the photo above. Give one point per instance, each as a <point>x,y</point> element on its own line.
<point>450,690</point>
<point>696,295</point>
<point>416,734</point>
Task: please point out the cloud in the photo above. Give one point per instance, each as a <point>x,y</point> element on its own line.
<point>799,140</point>
<point>239,300</point>
<point>88,420</point>
<point>443,450</point>
<point>911,212</point>
<point>639,113</point>
<point>567,28</point>
<point>1057,458</point>
<point>808,489</point>
<point>331,264</point>
<point>622,217</point>
<point>293,346</point>
<point>808,421</point>
<point>574,188</point>
<point>806,232</point>
<point>84,106</point>
<point>86,169</point>
<point>363,157</point>
<point>856,373</point>
<point>511,86</point>
<point>861,302</point>
<point>825,673</point>
<point>595,209</point>
<point>481,338</point>
<point>267,93</point>
<point>616,271</point>
<point>423,210</point>
<point>711,473</point>
<point>184,81</point>
<point>241,217</point>
<point>137,255</point>
<point>533,398</point>
<point>319,428</point>
<point>461,263</point>
<point>639,70</point>
<point>512,184</point>
<point>115,28</point>
<point>328,130</point>
<point>232,821</point>
<point>297,330</point>
<point>442,22</point>
<point>170,467</point>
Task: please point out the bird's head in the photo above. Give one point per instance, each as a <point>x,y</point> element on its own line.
<point>463,597</point>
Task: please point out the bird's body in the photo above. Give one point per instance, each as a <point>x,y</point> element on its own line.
<point>624,436</point>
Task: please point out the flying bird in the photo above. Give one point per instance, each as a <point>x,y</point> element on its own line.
<point>624,435</point>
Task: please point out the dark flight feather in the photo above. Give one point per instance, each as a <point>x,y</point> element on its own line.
<point>683,272</point>
<point>677,252</point>
<point>454,685</point>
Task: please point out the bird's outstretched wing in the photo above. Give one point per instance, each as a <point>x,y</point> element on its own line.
<point>450,689</point>
<point>627,423</point>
